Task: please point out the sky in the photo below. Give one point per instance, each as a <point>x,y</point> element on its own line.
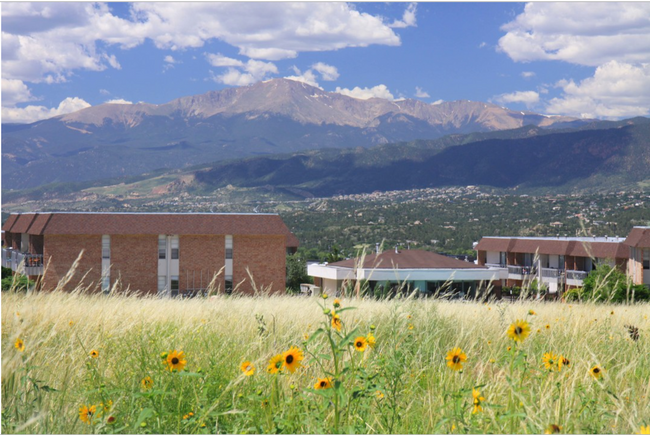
<point>557,58</point>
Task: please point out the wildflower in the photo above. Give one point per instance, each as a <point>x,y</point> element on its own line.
<point>94,353</point>
<point>291,359</point>
<point>519,330</point>
<point>86,413</point>
<point>410,326</point>
<point>644,430</point>
<point>548,326</point>
<point>70,323</point>
<point>633,331</point>
<point>456,358</point>
<point>562,362</point>
<point>492,360</point>
<point>336,322</point>
<point>477,398</point>
<point>360,343</point>
<point>489,342</point>
<point>20,345</point>
<point>324,295</point>
<point>379,395</point>
<point>531,312</point>
<point>106,406</point>
<point>337,303</point>
<point>509,348</point>
<point>305,336</point>
<point>550,360</point>
<point>596,372</point>
<point>275,364</point>
<point>176,360</point>
<point>146,383</point>
<point>110,419</point>
<point>323,383</point>
<point>248,368</point>
<point>185,417</point>
<point>371,340</point>
<point>553,428</point>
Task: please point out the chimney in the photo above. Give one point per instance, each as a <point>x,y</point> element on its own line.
<point>408,245</point>
<point>377,248</point>
<point>396,251</point>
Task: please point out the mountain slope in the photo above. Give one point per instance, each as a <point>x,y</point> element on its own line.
<point>278,116</point>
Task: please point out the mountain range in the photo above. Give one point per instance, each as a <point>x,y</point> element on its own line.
<point>279,116</point>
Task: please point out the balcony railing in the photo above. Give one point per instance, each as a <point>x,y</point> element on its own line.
<point>27,264</point>
<point>495,265</point>
<point>518,272</point>
<point>575,277</point>
<point>552,275</point>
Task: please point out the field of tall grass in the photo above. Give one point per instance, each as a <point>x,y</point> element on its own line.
<point>75,363</point>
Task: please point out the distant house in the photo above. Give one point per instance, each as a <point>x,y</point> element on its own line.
<point>564,262</point>
<point>427,272</point>
<point>163,253</point>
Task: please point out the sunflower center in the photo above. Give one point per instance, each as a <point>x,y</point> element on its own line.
<point>323,384</point>
<point>359,344</point>
<point>518,330</point>
<point>174,360</point>
<point>596,370</point>
<point>456,359</point>
<point>289,359</point>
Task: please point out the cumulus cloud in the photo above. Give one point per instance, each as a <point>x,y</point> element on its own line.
<point>408,19</point>
<point>527,74</point>
<point>435,103</point>
<point>221,60</point>
<point>14,92</point>
<point>307,77</point>
<point>419,93</point>
<point>529,98</point>
<point>580,32</point>
<point>31,114</point>
<point>379,91</point>
<point>328,72</point>
<point>616,90</point>
<point>118,101</point>
<point>242,73</point>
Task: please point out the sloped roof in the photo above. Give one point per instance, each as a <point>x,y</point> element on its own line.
<point>409,259</point>
<point>578,248</point>
<point>11,220</point>
<point>150,223</point>
<point>639,237</point>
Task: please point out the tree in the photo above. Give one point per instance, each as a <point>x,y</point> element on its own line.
<point>609,284</point>
<point>297,272</point>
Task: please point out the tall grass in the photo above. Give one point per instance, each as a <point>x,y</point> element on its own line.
<point>402,385</point>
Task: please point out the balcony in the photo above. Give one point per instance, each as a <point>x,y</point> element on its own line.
<point>520,272</point>
<point>555,276</point>
<point>495,265</point>
<point>23,263</point>
<point>575,277</point>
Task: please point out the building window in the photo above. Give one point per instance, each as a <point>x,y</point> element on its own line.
<point>646,259</point>
<point>174,285</point>
<point>106,246</point>
<point>162,247</point>
<point>174,240</point>
<point>106,283</point>
<point>228,284</point>
<point>162,283</point>
<point>503,260</point>
<point>561,262</point>
<point>228,247</point>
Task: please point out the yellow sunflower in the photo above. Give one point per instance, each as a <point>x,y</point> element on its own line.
<point>323,383</point>
<point>175,360</point>
<point>86,413</point>
<point>275,364</point>
<point>550,360</point>
<point>548,326</point>
<point>94,353</point>
<point>337,303</point>
<point>519,330</point>
<point>371,340</point>
<point>562,362</point>
<point>336,322</point>
<point>644,430</point>
<point>596,372</point>
<point>291,359</point>
<point>248,368</point>
<point>531,312</point>
<point>20,345</point>
<point>553,428</point>
<point>360,343</point>
<point>146,383</point>
<point>477,398</point>
<point>456,358</point>
<point>410,326</point>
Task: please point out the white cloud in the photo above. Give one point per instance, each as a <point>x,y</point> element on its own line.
<point>379,91</point>
<point>408,19</point>
<point>419,93</point>
<point>104,92</point>
<point>583,33</point>
<point>221,60</point>
<point>253,71</point>
<point>482,44</point>
<point>14,92</point>
<point>617,90</point>
<point>527,97</point>
<point>31,114</point>
<point>435,103</point>
<point>527,74</point>
<point>329,73</point>
<point>118,101</point>
<point>307,77</point>
<point>170,59</point>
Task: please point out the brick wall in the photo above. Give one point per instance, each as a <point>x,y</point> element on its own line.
<point>265,257</point>
<point>59,252</point>
<point>134,261</point>
<point>35,244</point>
<point>200,257</point>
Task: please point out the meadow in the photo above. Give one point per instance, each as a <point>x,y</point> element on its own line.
<point>77,363</point>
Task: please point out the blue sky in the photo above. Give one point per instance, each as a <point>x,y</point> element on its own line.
<point>571,58</point>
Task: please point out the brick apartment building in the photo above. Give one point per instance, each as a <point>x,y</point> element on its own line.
<point>564,262</point>
<point>153,253</point>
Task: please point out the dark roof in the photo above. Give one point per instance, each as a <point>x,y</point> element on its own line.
<point>11,220</point>
<point>150,223</point>
<point>577,248</point>
<point>409,259</point>
<point>639,237</point>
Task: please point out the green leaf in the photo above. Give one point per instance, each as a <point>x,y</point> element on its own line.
<point>316,333</point>
<point>340,310</point>
<point>348,338</point>
<point>144,414</point>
